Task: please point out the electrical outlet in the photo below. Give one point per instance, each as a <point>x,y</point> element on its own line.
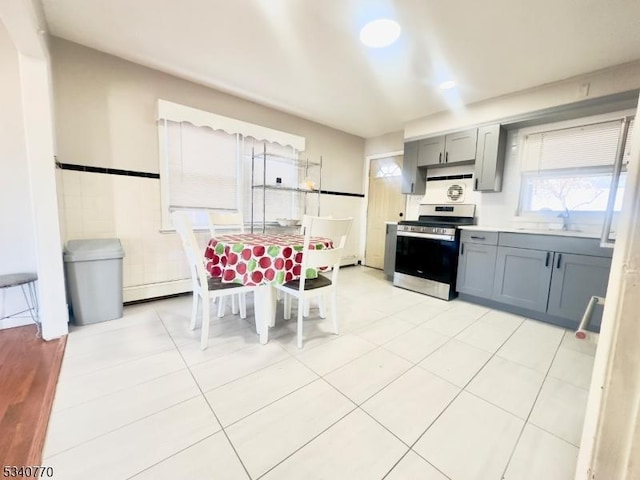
<point>583,90</point>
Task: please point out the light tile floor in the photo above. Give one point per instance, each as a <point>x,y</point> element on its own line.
<point>413,387</point>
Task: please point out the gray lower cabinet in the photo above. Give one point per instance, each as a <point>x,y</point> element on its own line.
<point>575,279</point>
<point>476,267</point>
<point>532,275</point>
<point>522,277</point>
<point>390,250</point>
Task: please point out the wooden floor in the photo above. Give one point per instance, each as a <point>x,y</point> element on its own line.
<point>29,369</point>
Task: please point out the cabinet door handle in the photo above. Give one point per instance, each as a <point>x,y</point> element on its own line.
<point>387,228</point>
<point>446,157</point>
<point>411,187</point>
<point>462,248</point>
<point>440,157</point>
<point>476,187</point>
<point>558,262</point>
<point>546,262</point>
<point>478,238</point>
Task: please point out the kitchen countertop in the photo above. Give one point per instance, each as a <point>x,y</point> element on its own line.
<point>558,232</point>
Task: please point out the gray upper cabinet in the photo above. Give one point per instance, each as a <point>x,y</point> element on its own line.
<point>522,277</point>
<point>431,151</point>
<point>460,146</point>
<point>413,181</point>
<point>490,153</point>
<point>576,278</point>
<point>476,267</point>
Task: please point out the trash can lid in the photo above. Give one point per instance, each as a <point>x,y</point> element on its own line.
<point>93,249</point>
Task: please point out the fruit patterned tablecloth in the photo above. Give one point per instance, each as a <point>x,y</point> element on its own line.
<point>258,259</point>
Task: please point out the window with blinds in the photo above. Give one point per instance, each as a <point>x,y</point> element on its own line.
<point>571,168</point>
<point>203,157</point>
<point>202,167</point>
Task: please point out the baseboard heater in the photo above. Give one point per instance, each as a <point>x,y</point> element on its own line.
<point>155,290</point>
<point>174,287</point>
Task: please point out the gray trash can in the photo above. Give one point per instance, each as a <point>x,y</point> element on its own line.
<point>93,269</point>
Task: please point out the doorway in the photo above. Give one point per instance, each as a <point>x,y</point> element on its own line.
<point>386,204</point>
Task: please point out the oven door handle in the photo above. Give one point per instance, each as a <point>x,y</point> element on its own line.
<point>432,236</point>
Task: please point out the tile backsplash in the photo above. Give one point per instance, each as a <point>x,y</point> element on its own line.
<point>118,206</point>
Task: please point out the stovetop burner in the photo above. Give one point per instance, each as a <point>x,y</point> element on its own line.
<point>439,222</point>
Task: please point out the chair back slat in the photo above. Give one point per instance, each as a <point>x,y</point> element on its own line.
<point>306,221</point>
<point>217,219</point>
<point>336,229</point>
<point>323,258</point>
<point>184,227</point>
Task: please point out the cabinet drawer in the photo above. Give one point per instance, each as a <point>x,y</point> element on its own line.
<point>478,236</point>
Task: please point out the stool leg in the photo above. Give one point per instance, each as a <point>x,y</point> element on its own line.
<point>32,303</point>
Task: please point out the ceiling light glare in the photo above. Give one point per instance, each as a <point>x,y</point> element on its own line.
<point>447,85</point>
<point>380,33</point>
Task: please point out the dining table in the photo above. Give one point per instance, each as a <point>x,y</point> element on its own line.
<point>262,260</point>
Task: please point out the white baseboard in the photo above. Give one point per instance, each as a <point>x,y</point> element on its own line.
<point>349,260</point>
<point>162,289</point>
<point>16,321</point>
<point>153,290</point>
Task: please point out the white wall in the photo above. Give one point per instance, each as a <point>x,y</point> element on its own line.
<point>23,21</point>
<point>17,248</point>
<point>382,144</point>
<point>611,434</point>
<point>615,80</point>
<point>105,115</point>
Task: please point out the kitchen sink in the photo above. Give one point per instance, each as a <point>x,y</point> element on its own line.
<point>555,231</point>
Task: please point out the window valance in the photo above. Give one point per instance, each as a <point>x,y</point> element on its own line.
<point>201,118</point>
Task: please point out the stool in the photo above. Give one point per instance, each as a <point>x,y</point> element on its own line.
<point>23,280</point>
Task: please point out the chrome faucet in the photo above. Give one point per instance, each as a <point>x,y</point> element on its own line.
<point>565,219</point>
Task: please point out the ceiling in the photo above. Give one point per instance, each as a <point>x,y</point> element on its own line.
<point>304,56</point>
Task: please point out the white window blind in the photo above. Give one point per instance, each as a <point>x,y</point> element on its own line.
<point>586,146</point>
<point>571,168</point>
<point>202,167</point>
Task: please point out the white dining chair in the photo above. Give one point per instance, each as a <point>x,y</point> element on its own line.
<point>232,221</point>
<point>306,220</point>
<point>303,288</point>
<point>205,288</point>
